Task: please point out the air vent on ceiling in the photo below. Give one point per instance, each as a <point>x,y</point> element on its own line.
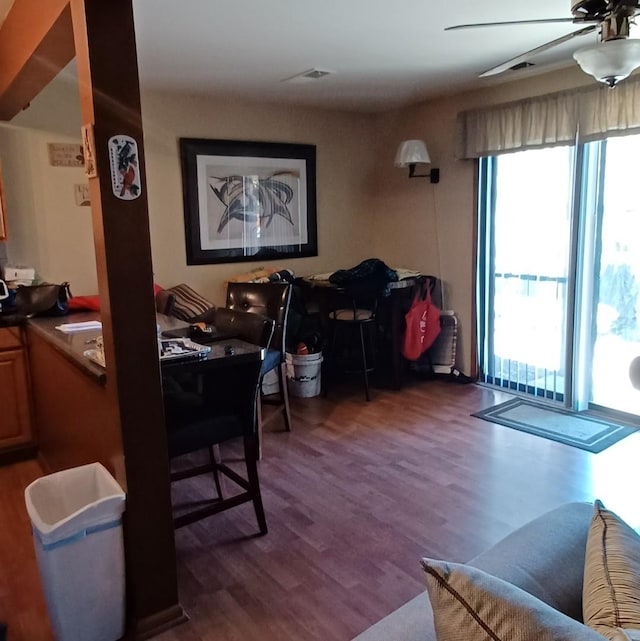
<point>309,74</point>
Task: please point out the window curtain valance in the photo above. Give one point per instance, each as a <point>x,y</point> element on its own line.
<point>561,118</point>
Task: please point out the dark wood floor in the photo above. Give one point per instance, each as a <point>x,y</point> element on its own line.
<point>354,496</point>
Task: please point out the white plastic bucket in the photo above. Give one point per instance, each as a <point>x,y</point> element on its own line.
<point>270,384</point>
<point>76,516</point>
<point>304,374</point>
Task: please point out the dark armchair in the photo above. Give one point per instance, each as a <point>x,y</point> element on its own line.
<point>219,405</point>
<point>271,300</point>
<point>253,328</point>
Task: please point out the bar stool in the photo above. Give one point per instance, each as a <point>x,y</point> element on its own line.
<point>353,332</point>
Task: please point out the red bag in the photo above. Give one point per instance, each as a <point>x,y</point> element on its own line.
<point>422,327</point>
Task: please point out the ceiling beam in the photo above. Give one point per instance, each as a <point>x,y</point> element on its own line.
<point>36,43</point>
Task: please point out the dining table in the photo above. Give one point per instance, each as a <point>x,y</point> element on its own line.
<point>77,342</point>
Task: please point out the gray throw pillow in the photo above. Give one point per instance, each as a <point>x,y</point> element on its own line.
<point>471,605</point>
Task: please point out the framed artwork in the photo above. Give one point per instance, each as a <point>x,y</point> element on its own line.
<point>3,221</point>
<point>62,154</point>
<point>248,200</point>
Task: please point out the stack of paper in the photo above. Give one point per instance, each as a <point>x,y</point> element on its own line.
<point>79,327</point>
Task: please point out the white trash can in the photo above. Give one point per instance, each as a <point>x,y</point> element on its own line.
<point>76,516</point>
<point>304,374</point>
<point>270,383</point>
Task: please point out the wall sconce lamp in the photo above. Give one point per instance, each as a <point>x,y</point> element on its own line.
<point>412,153</point>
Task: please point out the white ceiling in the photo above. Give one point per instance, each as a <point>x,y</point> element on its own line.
<point>383,53</point>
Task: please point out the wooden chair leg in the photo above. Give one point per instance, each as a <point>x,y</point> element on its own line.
<point>284,395</point>
<point>258,452</point>
<point>214,457</point>
<point>251,455</point>
<point>330,366</point>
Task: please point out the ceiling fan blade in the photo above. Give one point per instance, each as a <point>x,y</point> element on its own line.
<point>508,22</point>
<point>529,54</point>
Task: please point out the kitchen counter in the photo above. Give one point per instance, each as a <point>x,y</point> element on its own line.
<point>75,407</point>
<point>73,345</point>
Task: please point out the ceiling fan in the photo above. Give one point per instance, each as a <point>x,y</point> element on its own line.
<point>609,61</point>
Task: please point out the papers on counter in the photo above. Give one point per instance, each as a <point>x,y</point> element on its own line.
<point>79,327</point>
<point>96,356</point>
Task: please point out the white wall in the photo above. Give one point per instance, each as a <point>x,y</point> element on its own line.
<point>432,227</point>
<point>49,231</point>
<point>366,207</point>
<point>345,159</point>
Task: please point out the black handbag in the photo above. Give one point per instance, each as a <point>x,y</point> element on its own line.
<point>43,300</point>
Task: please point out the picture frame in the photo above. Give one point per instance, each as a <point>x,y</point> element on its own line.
<point>63,154</point>
<point>248,201</point>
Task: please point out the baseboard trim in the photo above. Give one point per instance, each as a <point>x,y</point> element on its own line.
<point>157,623</point>
<point>44,464</point>
<point>17,454</point>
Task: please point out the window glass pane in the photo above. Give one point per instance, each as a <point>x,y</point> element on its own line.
<point>532,234</point>
<point>617,334</point>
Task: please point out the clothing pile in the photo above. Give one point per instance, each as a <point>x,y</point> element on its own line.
<point>371,277</point>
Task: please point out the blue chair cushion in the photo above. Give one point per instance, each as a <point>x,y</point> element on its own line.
<point>272,359</point>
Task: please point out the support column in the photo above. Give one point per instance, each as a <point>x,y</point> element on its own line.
<point>105,48</point>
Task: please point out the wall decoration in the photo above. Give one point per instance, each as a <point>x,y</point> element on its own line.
<point>248,200</point>
<point>3,221</point>
<point>65,155</point>
<point>82,195</point>
<point>123,162</point>
<point>89,151</point>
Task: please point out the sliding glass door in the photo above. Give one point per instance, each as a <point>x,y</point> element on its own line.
<point>559,273</point>
<point>616,339</point>
<point>526,246</point>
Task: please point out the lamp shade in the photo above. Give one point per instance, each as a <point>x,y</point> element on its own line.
<point>610,61</point>
<point>412,152</point>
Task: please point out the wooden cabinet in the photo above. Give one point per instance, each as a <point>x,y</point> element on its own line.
<point>16,440</point>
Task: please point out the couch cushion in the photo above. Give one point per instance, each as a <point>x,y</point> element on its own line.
<point>412,621</point>
<point>611,593</point>
<point>189,305</point>
<point>472,605</point>
<point>545,557</point>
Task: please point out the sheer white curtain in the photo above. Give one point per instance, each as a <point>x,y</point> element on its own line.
<point>561,118</point>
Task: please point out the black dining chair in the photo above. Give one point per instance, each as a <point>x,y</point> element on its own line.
<point>271,300</point>
<point>219,406</point>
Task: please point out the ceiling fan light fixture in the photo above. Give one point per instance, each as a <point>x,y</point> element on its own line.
<point>610,61</point>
